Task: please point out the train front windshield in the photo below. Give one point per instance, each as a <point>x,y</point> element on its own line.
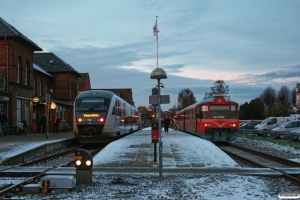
<point>99,104</point>
<point>218,111</point>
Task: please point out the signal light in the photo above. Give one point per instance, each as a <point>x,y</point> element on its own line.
<point>83,160</point>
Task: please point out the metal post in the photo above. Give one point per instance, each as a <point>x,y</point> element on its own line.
<point>47,114</point>
<point>159,132</point>
<point>154,152</point>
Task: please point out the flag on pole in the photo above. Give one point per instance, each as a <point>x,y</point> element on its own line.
<point>155,31</point>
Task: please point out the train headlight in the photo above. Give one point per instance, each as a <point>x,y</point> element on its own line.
<point>100,119</point>
<point>79,120</point>
<point>207,125</point>
<point>83,160</point>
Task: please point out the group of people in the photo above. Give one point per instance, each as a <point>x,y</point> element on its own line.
<point>21,125</point>
<point>43,122</point>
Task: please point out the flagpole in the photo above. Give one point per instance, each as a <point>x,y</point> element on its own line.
<point>156,46</point>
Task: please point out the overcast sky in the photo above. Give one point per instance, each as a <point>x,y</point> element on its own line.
<point>249,44</point>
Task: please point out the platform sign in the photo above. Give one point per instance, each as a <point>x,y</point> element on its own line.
<point>164,99</point>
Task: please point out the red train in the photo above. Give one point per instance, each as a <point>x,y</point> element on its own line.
<point>214,119</point>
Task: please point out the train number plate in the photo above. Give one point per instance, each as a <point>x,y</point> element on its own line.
<point>78,157</point>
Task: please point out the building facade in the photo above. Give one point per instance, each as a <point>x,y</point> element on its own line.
<point>26,77</point>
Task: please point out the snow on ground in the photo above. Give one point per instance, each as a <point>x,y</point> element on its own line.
<point>11,149</point>
<point>187,148</point>
<point>172,186</point>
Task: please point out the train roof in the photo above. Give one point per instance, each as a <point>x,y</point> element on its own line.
<point>100,92</point>
<point>209,100</point>
<point>104,93</point>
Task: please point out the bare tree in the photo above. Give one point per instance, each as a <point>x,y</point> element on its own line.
<point>268,97</point>
<point>185,98</point>
<point>283,99</point>
<point>218,88</point>
<point>293,97</point>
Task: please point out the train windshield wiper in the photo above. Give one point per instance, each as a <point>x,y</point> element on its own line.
<point>95,106</point>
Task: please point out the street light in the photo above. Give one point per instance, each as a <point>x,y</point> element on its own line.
<point>159,73</point>
<point>161,85</point>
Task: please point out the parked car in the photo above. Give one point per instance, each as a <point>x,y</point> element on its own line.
<point>248,126</point>
<point>295,135</point>
<point>283,131</point>
<point>243,123</point>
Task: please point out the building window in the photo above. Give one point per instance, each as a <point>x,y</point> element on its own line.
<point>18,70</point>
<point>26,111</point>
<point>26,73</point>
<point>19,110</point>
<point>64,117</point>
<point>41,84</point>
<point>33,85</point>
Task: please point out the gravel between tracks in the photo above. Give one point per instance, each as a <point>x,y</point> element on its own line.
<point>186,186</point>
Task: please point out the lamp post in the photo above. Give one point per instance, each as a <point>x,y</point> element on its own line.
<point>159,73</point>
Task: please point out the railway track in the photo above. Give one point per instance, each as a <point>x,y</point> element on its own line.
<point>8,189</point>
<point>258,159</point>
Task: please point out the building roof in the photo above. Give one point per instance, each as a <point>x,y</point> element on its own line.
<point>52,63</point>
<point>38,68</point>
<point>8,31</point>
<point>142,109</point>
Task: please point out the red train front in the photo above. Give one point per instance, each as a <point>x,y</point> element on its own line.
<point>214,119</point>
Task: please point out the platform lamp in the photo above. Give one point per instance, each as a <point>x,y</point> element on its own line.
<point>159,73</point>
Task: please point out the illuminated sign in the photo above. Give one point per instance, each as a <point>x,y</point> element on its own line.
<point>90,115</point>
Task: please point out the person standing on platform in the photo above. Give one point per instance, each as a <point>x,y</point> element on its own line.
<point>56,123</point>
<point>43,122</point>
<point>166,124</point>
<point>3,123</point>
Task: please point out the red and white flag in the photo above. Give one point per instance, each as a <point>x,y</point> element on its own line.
<point>155,31</point>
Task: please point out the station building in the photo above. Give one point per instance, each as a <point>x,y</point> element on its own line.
<point>27,75</point>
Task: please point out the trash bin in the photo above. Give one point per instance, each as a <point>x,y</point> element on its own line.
<point>34,127</point>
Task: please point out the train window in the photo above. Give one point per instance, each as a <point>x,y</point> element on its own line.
<point>203,111</point>
<point>116,108</point>
<point>92,104</point>
<point>233,112</point>
<point>219,111</point>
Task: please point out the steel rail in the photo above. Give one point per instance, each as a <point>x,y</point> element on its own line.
<point>268,156</point>
<point>19,186</point>
<point>256,164</point>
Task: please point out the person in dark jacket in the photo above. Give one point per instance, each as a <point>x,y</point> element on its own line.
<point>3,123</point>
<point>166,124</point>
<point>43,122</point>
<point>56,123</point>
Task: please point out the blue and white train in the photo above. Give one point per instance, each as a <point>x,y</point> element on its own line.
<point>101,116</point>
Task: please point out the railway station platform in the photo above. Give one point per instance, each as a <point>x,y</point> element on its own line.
<point>179,150</point>
<point>12,145</point>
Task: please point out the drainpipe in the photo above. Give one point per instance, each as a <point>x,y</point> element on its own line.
<point>6,64</point>
<point>7,50</point>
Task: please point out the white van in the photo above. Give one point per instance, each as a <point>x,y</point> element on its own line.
<point>272,122</point>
